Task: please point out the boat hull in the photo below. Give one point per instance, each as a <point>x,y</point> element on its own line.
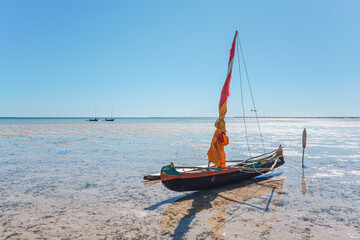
<point>93,119</point>
<point>206,180</point>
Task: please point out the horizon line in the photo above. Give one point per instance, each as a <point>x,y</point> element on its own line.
<point>343,117</point>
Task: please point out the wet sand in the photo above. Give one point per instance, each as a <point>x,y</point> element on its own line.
<point>81,180</point>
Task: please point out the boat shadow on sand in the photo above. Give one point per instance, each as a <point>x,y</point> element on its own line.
<point>252,202</point>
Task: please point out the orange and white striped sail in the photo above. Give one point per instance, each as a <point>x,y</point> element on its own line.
<point>216,153</point>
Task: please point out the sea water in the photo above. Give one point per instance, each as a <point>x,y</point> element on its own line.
<point>69,178</point>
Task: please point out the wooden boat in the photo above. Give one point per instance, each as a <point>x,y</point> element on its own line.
<point>110,119</point>
<point>94,119</point>
<point>210,177</point>
<point>198,178</point>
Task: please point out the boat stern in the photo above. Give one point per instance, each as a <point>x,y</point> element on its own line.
<point>279,154</point>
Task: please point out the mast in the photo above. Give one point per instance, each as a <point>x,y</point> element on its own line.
<point>216,153</point>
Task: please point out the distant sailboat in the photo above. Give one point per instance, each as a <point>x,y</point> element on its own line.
<point>110,119</point>
<point>95,119</point>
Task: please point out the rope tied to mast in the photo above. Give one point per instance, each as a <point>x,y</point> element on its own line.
<point>242,103</point>
<point>252,96</point>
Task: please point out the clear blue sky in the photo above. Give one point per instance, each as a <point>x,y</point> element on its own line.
<point>169,58</point>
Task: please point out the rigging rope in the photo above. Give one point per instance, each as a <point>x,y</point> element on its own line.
<point>252,96</point>
<point>242,101</point>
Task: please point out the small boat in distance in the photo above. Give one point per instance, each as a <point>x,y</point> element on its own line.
<point>110,119</point>
<point>94,119</point>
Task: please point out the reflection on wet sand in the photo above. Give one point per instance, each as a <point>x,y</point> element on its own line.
<point>251,202</point>
<point>303,184</point>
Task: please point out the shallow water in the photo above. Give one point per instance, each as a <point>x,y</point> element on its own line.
<point>67,178</point>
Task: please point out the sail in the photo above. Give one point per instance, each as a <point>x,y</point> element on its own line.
<point>216,153</point>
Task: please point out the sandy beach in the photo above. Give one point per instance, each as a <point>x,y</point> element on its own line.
<point>71,179</point>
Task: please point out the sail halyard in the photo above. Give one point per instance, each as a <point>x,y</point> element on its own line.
<point>216,153</point>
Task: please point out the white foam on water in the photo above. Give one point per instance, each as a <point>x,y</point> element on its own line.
<point>355,172</point>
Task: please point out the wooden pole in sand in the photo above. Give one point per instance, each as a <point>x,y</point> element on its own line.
<point>303,144</point>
